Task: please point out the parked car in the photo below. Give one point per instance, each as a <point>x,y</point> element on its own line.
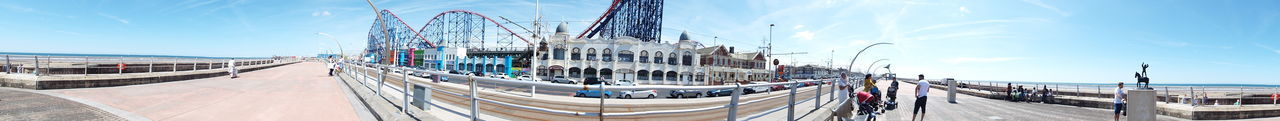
<point>524,78</point>
<point>779,87</point>
<point>639,93</point>
<point>719,92</point>
<point>562,80</point>
<point>625,83</point>
<point>595,82</point>
<point>438,77</point>
<point>685,94</point>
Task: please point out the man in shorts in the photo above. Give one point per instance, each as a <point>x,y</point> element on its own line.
<point>1120,98</point>
<point>922,94</point>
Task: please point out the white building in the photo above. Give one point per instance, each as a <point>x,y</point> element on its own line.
<point>620,59</point>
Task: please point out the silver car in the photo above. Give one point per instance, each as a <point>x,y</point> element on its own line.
<point>633,94</point>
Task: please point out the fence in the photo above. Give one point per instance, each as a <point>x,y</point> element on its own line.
<point>361,70</point>
<point>91,65</point>
<point>1191,95</point>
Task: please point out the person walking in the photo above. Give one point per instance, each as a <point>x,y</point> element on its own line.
<point>922,94</point>
<point>1119,101</point>
<point>1008,91</point>
<point>231,69</point>
<point>330,65</point>
<point>843,85</point>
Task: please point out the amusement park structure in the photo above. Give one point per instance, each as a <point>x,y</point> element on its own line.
<point>391,40</point>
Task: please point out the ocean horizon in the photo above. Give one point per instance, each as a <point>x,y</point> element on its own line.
<point>120,55</point>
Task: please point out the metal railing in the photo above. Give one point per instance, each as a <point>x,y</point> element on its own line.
<point>361,70</point>
<point>1189,95</point>
<point>91,65</point>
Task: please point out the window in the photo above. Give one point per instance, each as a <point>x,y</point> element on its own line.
<point>625,56</point>
<point>671,60</point>
<point>687,59</point>
<point>591,54</point>
<point>644,56</point>
<point>575,54</point>
<point>607,55</point>
<point>657,57</point>
<point>559,53</point>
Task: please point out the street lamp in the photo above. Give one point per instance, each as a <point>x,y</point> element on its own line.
<point>874,64</point>
<point>855,57</point>
<point>335,41</point>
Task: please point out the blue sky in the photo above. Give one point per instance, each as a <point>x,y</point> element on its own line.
<point>1028,40</point>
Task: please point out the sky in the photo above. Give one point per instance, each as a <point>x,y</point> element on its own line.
<point>1084,41</point>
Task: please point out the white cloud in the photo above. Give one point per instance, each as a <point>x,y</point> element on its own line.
<point>1277,51</point>
<point>798,26</point>
<point>1047,6</point>
<point>121,20</point>
<point>979,59</point>
<point>321,13</point>
<point>806,35</point>
<point>965,11</point>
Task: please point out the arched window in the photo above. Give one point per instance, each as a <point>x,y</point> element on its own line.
<point>687,59</point>
<point>642,75</point>
<point>657,57</point>
<point>625,56</point>
<point>607,55</point>
<point>644,56</point>
<point>671,60</point>
<point>559,52</point>
<point>575,72</point>
<point>591,54</point>
<point>575,54</point>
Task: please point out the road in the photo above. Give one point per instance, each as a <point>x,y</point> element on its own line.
<point>299,91</point>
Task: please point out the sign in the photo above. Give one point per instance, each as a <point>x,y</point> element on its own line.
<point>120,66</point>
<point>775,61</point>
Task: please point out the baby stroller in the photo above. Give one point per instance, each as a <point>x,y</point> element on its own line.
<point>868,104</point>
<point>893,97</point>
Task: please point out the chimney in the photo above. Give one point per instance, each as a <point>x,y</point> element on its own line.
<point>730,49</point>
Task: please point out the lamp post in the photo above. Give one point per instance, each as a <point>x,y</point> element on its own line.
<point>874,64</point>
<point>335,41</point>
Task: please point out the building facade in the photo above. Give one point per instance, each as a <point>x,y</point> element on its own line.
<point>620,59</point>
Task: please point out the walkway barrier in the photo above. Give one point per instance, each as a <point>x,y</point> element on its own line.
<point>97,65</point>
<point>361,70</point>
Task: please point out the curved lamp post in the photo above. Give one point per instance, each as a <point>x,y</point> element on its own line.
<point>874,64</point>
<point>335,41</point>
<point>855,57</point>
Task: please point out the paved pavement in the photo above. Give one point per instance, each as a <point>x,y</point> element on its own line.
<point>299,91</point>
<point>25,105</point>
<point>970,108</point>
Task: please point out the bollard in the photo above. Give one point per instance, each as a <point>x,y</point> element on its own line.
<point>7,65</point>
<point>791,102</point>
<point>150,66</point>
<point>382,74</point>
<point>175,65</point>
<point>733,102</point>
<point>602,97</point>
<point>817,97</point>
<point>474,107</point>
<point>195,65</point>
<point>405,75</point>
<point>37,71</point>
<point>86,66</point>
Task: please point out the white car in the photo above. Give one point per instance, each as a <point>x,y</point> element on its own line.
<point>524,78</point>
<point>757,89</point>
<point>625,83</point>
<point>632,94</point>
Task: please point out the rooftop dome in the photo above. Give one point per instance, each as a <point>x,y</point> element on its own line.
<point>684,35</point>
<point>564,27</point>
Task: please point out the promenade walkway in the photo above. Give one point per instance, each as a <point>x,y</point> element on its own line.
<point>977,108</point>
<point>299,91</point>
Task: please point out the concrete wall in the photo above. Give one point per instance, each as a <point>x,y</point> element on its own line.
<point>107,80</point>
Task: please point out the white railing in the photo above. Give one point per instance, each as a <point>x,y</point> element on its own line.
<point>364,75</point>
<point>91,65</point>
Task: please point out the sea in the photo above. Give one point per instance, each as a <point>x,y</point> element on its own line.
<point>122,55</point>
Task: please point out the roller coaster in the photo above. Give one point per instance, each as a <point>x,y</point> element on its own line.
<point>390,38</point>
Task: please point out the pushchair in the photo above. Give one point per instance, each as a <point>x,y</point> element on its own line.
<point>893,97</point>
<point>868,104</point>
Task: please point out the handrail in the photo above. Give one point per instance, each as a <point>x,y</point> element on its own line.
<point>564,112</point>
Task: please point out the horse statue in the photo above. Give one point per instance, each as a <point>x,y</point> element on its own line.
<point>1142,78</point>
